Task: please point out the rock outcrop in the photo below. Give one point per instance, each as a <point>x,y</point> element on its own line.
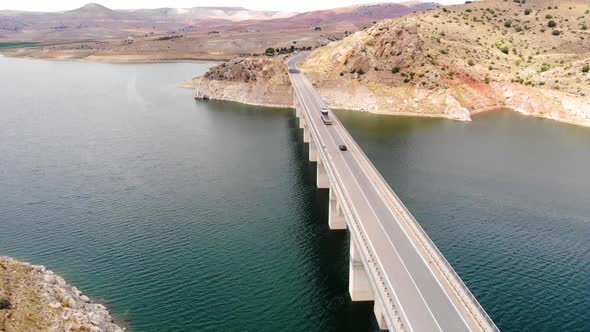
<point>447,62</point>
<point>460,60</point>
<point>36,299</point>
<point>374,70</point>
<point>255,80</point>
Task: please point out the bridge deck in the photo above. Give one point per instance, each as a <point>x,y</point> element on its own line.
<point>423,297</point>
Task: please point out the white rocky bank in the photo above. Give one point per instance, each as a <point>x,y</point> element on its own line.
<point>65,308</point>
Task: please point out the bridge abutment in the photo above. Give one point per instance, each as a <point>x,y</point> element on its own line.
<point>336,218</point>
<point>359,284</point>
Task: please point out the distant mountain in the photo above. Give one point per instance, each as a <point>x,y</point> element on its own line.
<point>420,6</point>
<point>94,21</point>
<point>345,18</point>
<point>217,13</point>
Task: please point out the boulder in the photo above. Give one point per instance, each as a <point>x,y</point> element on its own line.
<point>5,304</point>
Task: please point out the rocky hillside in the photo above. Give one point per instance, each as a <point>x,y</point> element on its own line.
<point>532,56</point>
<point>33,298</point>
<point>256,80</point>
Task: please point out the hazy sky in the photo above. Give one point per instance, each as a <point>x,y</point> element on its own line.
<point>282,5</point>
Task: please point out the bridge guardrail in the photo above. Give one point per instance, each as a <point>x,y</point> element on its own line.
<point>443,265</point>
<point>351,212</point>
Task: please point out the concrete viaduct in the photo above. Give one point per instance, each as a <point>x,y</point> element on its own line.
<point>392,260</point>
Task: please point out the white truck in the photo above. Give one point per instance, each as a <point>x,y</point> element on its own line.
<point>326,116</point>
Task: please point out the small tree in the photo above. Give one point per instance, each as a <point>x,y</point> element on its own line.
<point>551,24</point>
<point>556,32</point>
<point>527,11</point>
<point>586,69</point>
<point>270,50</point>
<point>395,70</point>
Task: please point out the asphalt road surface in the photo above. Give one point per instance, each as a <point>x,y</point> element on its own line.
<point>423,300</point>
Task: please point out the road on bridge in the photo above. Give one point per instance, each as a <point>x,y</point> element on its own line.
<point>423,299</point>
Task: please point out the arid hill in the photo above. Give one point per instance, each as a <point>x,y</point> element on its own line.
<point>97,33</point>
<point>352,18</point>
<point>256,81</point>
<point>455,61</point>
<point>94,21</point>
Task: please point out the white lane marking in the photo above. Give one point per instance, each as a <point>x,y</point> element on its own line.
<point>337,127</point>
<point>420,255</point>
<point>354,208</point>
<point>409,275</point>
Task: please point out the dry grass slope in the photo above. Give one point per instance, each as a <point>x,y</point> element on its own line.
<point>532,56</point>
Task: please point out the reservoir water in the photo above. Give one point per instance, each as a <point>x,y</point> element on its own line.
<point>183,215</point>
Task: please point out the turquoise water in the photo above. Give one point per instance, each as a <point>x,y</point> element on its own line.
<point>179,215</point>
<point>505,198</point>
<point>203,216</point>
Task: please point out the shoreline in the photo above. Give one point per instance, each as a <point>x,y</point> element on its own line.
<point>119,59</point>
<point>585,124</point>
<point>245,103</point>
<point>188,85</point>
<point>407,114</point>
<point>39,300</point>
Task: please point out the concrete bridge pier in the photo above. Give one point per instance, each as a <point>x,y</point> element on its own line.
<point>306,133</point>
<point>379,315</point>
<point>336,218</point>
<point>313,151</point>
<point>301,119</point>
<point>359,284</point>
<point>322,179</point>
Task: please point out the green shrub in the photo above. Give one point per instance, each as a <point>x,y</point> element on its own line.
<point>551,24</point>
<point>556,32</point>
<point>471,63</point>
<point>395,70</point>
<point>505,49</point>
<point>508,24</point>
<point>586,69</point>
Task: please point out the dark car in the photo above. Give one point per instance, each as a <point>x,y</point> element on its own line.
<point>342,147</point>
